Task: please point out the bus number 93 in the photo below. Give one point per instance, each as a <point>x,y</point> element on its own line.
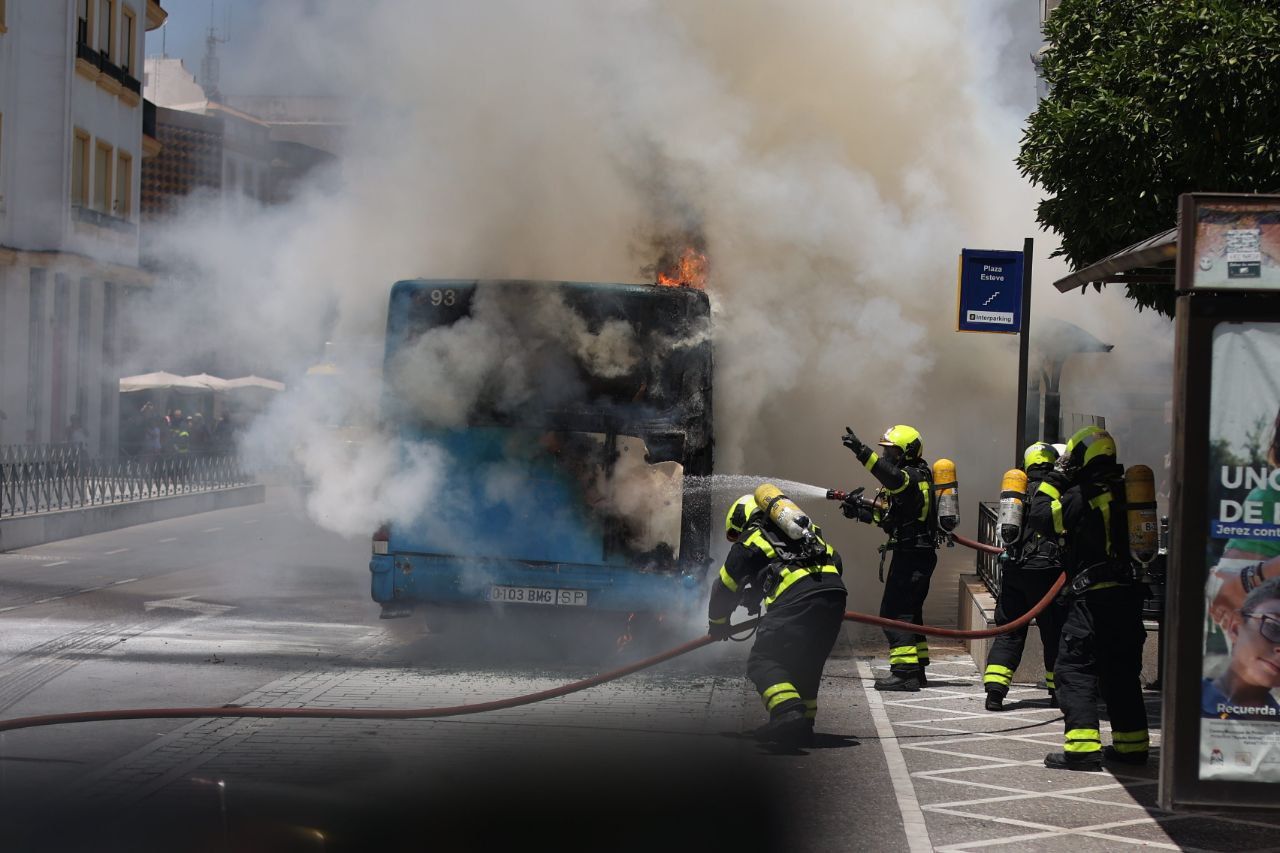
<point>443,297</point>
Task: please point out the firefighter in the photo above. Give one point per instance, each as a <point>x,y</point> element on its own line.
<point>904,508</point>
<point>1081,501</point>
<point>1031,565</point>
<point>800,587</point>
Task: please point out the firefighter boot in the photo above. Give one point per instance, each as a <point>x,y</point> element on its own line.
<point>995,700</point>
<point>1110,754</point>
<point>1074,760</point>
<point>787,728</point>
<point>906,681</point>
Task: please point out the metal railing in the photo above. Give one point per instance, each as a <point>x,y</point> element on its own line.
<point>48,478</point>
<point>987,564</point>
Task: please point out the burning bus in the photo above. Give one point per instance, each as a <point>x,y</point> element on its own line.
<point>561,419</point>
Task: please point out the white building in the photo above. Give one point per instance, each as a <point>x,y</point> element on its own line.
<point>71,150</point>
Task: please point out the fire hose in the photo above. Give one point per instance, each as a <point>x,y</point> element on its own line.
<point>514,701</point>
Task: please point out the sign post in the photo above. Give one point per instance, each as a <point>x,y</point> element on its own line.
<point>995,296</point>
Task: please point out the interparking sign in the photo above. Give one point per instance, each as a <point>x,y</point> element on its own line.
<point>990,291</point>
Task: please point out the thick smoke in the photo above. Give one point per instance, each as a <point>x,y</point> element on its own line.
<point>833,156</point>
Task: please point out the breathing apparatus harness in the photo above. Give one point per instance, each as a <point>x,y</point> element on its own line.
<point>1103,488</point>
<point>807,554</point>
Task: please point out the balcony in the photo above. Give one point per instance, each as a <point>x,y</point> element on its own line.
<point>133,84</point>
<point>88,54</point>
<point>109,68</point>
<point>103,220</point>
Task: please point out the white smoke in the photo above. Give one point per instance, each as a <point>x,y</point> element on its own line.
<point>835,156</point>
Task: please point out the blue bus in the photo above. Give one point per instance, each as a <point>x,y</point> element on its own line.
<point>562,419</point>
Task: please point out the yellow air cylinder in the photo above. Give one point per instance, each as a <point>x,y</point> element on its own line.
<point>783,512</point>
<point>946,488</point>
<point>1013,496</point>
<point>1140,498</point>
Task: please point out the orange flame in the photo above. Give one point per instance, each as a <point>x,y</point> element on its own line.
<point>690,271</point>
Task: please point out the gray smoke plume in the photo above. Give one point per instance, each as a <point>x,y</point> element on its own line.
<point>831,158</point>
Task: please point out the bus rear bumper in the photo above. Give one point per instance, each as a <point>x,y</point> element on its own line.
<point>421,578</point>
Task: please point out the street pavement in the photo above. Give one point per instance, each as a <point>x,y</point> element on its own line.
<point>254,606</point>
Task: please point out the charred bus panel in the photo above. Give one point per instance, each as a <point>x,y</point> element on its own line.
<point>562,419</point>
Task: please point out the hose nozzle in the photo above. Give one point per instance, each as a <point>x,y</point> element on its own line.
<point>836,495</point>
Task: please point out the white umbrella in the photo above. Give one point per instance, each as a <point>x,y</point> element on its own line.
<point>212,383</point>
<point>159,381</point>
<point>252,381</point>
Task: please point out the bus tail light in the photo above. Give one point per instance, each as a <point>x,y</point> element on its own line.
<point>381,539</point>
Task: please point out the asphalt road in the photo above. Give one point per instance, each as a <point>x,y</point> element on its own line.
<point>256,606</point>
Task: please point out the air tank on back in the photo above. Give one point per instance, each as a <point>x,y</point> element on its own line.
<point>1013,497</point>
<point>1140,501</point>
<point>946,488</point>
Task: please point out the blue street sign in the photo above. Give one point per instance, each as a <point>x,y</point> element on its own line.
<point>990,291</point>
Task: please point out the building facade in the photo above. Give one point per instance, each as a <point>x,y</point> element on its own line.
<point>224,148</point>
<point>71,153</point>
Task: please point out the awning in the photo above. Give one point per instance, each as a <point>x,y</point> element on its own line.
<point>252,381</point>
<point>213,383</point>
<point>1149,261</point>
<point>159,381</point>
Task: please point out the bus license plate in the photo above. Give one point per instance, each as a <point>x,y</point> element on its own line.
<point>538,595</point>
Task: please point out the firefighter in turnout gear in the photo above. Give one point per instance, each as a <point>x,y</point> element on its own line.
<point>798,582</point>
<point>905,509</point>
<point>1031,564</point>
<point>1082,501</point>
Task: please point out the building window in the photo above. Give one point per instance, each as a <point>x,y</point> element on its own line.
<point>128,31</point>
<point>80,168</point>
<point>102,177</point>
<point>82,22</point>
<point>124,185</point>
<point>106,28</point>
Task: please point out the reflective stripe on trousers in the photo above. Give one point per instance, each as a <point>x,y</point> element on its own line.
<point>778,694</point>
<point>1136,741</point>
<point>997,674</point>
<point>1083,740</point>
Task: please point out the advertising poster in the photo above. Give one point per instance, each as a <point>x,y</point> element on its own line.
<point>1240,679</point>
<point>1237,245</point>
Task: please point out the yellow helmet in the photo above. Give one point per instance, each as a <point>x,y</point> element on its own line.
<point>905,438</point>
<point>1089,444</point>
<point>1040,453</point>
<point>739,514</point>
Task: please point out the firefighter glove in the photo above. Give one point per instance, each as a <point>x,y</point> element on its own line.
<point>854,508</point>
<point>719,630</point>
<point>855,444</point>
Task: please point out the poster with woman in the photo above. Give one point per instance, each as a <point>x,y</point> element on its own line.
<point>1240,686</point>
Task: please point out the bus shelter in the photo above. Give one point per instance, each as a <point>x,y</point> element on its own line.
<point>1221,692</point>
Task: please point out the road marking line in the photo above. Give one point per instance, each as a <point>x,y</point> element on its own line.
<point>59,563</point>
<point>126,580</point>
<point>50,598</point>
<point>211,530</point>
<point>116,551</point>
<point>92,589</point>
<point>170,539</point>
<point>250,521</point>
<point>7,609</point>
<point>904,790</point>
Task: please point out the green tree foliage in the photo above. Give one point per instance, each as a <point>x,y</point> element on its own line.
<point>1149,99</point>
